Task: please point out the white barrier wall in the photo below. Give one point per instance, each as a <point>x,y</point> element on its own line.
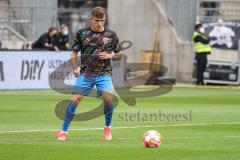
<point>31,69</point>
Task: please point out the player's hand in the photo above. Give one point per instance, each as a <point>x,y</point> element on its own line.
<point>76,72</point>
<point>104,55</point>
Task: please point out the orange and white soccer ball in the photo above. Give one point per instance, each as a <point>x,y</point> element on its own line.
<point>151,139</point>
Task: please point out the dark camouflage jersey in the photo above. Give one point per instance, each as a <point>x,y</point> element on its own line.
<point>90,44</point>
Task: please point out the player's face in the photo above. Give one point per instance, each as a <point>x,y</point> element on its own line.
<point>98,24</point>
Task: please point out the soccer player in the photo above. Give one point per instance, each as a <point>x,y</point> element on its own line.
<point>98,47</point>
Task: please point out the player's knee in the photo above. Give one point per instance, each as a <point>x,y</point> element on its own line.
<point>107,99</point>
<point>75,99</point>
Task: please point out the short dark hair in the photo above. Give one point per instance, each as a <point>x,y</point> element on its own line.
<point>52,29</point>
<point>98,12</point>
<point>197,26</point>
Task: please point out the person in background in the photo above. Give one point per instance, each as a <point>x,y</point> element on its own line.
<point>46,41</point>
<point>201,49</point>
<point>62,38</point>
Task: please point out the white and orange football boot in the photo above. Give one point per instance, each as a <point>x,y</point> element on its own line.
<point>61,135</point>
<point>107,133</point>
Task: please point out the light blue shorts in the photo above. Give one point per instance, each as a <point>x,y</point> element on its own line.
<point>85,83</point>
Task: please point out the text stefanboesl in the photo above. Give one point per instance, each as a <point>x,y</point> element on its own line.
<point>141,116</point>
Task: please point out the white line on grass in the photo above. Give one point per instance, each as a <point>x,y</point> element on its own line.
<point>122,127</point>
<point>130,138</point>
<point>115,138</point>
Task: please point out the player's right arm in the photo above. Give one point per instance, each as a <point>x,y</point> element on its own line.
<point>74,63</point>
<point>77,44</point>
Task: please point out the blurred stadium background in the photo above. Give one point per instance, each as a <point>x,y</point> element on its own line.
<point>161,32</point>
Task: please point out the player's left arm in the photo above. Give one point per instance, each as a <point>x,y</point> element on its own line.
<point>113,56</point>
<point>117,56</point>
<point>116,53</point>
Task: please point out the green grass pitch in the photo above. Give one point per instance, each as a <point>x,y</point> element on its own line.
<point>209,131</point>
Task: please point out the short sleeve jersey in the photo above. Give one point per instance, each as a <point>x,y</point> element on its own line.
<point>90,44</point>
